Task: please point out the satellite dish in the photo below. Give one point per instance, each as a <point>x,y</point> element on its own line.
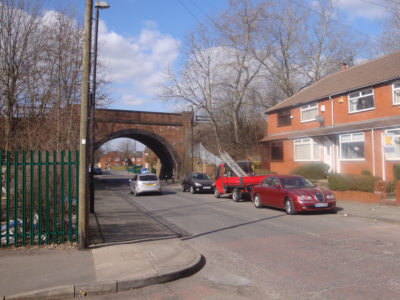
<point>319,118</point>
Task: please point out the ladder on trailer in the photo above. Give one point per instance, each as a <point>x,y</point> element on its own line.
<point>232,164</point>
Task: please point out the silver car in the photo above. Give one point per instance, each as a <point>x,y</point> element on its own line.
<point>145,183</point>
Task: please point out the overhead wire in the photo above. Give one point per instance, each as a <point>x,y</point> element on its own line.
<point>200,9</point>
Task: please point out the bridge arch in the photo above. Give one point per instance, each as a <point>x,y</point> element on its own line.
<point>170,160</point>
<point>168,135</point>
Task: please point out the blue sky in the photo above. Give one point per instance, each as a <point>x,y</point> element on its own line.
<point>139,39</point>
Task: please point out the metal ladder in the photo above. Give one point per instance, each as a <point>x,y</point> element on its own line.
<point>232,164</point>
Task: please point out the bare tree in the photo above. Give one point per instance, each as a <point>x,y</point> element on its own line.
<point>126,149</point>
<point>18,24</point>
<point>389,41</point>
<point>220,69</point>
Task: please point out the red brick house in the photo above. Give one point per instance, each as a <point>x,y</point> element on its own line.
<point>109,160</point>
<point>349,120</point>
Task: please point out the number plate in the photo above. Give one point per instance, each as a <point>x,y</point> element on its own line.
<point>207,188</point>
<point>321,205</point>
<point>150,184</point>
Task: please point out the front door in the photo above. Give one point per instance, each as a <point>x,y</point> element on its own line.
<point>327,155</point>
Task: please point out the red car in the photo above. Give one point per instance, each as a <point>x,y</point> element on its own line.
<point>293,194</point>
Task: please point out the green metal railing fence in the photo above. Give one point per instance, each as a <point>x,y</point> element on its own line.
<point>39,198</point>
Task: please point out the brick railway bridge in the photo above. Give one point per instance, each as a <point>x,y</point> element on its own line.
<point>168,135</point>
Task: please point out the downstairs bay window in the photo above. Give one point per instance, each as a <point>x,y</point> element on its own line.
<point>306,150</point>
<point>392,144</point>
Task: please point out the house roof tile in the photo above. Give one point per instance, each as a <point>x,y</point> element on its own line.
<point>380,70</point>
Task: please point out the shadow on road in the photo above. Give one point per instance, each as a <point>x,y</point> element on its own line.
<point>117,219</point>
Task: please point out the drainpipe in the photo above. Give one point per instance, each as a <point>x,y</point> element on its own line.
<point>373,152</point>
<point>333,149</point>
<point>332,116</point>
<point>383,159</point>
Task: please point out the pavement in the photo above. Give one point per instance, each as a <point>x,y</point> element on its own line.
<point>154,254</point>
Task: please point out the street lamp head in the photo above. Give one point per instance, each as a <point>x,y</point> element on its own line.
<point>102,4</point>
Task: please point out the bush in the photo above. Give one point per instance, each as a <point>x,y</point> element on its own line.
<point>351,182</point>
<point>312,170</point>
<point>259,171</point>
<point>257,164</point>
<point>366,172</point>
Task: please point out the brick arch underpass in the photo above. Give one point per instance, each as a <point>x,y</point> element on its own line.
<point>167,134</point>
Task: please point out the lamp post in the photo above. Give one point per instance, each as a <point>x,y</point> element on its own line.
<point>98,5</point>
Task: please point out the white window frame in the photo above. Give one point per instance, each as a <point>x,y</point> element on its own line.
<point>349,97</point>
<point>306,108</point>
<point>353,138</point>
<point>314,154</point>
<point>394,136</point>
<point>396,91</point>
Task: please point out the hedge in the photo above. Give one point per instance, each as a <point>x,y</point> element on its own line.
<point>317,170</point>
<point>351,182</point>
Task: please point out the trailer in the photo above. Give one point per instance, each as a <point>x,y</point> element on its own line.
<point>231,178</point>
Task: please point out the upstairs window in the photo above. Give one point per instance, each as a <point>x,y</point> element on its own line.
<point>396,93</point>
<point>360,101</point>
<point>284,118</point>
<point>352,146</point>
<point>309,112</point>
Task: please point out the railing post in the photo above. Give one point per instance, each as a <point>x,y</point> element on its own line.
<point>54,197</point>
<point>23,215</point>
<point>47,200</point>
<point>39,200</point>
<point>8,178</point>
<point>62,196</point>
<point>31,197</point>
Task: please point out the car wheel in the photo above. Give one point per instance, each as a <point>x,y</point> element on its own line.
<point>216,193</point>
<point>192,191</point>
<point>131,192</point>
<point>236,195</point>
<point>289,207</point>
<point>257,201</point>
<point>183,188</point>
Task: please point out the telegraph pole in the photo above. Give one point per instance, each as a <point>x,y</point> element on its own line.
<point>83,166</point>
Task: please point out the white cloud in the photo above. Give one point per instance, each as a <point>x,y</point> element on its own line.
<point>140,61</point>
<point>372,9</point>
<point>132,100</point>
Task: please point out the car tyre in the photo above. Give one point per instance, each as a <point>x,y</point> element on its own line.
<point>131,192</point>
<point>257,201</point>
<point>216,193</point>
<point>183,188</point>
<point>236,195</point>
<point>289,207</point>
<point>192,191</point>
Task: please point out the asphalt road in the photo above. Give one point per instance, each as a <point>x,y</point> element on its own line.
<point>265,254</point>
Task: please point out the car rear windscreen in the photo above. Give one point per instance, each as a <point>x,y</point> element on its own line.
<point>148,178</point>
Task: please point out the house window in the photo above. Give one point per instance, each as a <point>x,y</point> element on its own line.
<point>392,144</point>
<point>306,150</point>
<point>352,146</point>
<point>396,93</point>
<point>284,118</point>
<point>309,112</point>
<point>360,101</point>
<point>276,151</point>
